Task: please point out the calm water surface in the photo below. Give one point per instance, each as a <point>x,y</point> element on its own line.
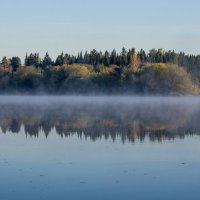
<point>82,148</point>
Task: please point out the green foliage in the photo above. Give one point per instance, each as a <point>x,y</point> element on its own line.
<point>190,63</point>
<point>32,59</point>
<point>155,72</point>
<point>67,77</point>
<point>27,78</point>
<point>46,61</point>
<point>106,78</point>
<point>4,62</point>
<point>15,63</point>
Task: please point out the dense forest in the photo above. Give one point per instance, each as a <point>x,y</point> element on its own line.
<point>127,72</point>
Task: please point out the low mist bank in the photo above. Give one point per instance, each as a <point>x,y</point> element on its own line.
<point>130,118</point>
<point>48,100</point>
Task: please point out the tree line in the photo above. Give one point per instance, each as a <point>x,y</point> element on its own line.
<point>101,70</point>
<point>107,58</point>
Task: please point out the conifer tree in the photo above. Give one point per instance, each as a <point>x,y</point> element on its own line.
<point>46,61</point>
<point>124,60</point>
<point>15,63</point>
<point>4,62</point>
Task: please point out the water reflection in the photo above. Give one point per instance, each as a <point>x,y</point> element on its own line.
<point>133,121</point>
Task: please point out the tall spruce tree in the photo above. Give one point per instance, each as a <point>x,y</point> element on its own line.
<point>46,61</point>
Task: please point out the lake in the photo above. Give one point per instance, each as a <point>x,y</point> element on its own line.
<point>99,148</point>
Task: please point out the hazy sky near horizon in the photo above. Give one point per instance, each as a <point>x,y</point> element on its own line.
<point>75,25</point>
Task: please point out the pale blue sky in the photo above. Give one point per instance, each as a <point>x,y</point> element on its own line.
<point>75,25</point>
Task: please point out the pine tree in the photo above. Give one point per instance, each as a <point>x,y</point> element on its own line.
<point>15,63</point>
<point>86,58</point>
<point>93,57</point>
<point>46,61</point>
<point>81,57</point>
<point>37,60</point>
<point>30,60</point>
<point>4,62</point>
<point>26,60</point>
<point>113,57</point>
<point>60,59</point>
<point>124,60</point>
<point>106,58</point>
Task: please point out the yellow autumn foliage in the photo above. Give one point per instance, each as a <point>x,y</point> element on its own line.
<point>75,70</point>
<point>166,78</point>
<point>29,70</point>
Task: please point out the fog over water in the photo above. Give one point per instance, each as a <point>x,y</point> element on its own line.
<point>128,118</point>
<point>99,147</point>
<point>97,99</point>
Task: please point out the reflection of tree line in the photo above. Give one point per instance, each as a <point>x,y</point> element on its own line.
<point>128,123</point>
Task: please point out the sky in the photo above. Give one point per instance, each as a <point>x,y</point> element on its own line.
<point>72,26</point>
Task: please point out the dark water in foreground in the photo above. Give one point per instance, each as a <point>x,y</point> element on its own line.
<point>99,148</point>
